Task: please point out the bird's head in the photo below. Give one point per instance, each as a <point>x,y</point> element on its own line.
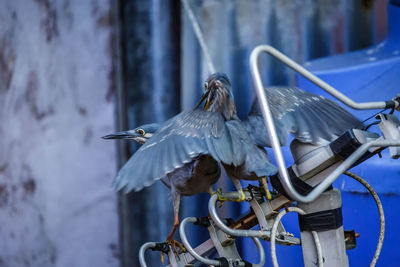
<point>218,96</point>
<point>140,134</point>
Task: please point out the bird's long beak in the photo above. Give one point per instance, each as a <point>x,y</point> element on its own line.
<point>204,96</point>
<point>208,102</point>
<point>122,135</point>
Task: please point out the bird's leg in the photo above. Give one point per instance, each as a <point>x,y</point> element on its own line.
<point>236,183</point>
<point>176,199</point>
<point>239,189</point>
<point>264,183</point>
<point>170,239</point>
<point>176,223</point>
<point>211,190</point>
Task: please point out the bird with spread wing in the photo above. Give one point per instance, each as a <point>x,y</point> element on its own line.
<point>186,151</point>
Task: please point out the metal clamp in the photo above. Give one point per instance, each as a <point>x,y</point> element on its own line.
<point>287,239</point>
<point>235,262</point>
<point>283,174</point>
<point>390,128</point>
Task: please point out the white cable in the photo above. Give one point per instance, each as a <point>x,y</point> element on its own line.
<point>381,215</point>
<point>274,230</point>
<point>199,35</point>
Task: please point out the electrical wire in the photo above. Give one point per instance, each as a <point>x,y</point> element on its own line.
<point>370,117</point>
<point>371,124</point>
<point>199,35</point>
<point>274,230</point>
<point>381,215</point>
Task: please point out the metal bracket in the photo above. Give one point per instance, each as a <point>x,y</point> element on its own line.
<point>284,238</point>
<point>224,245</point>
<point>390,128</point>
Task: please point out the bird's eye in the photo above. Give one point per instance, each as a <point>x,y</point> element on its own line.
<point>206,85</point>
<point>141,132</point>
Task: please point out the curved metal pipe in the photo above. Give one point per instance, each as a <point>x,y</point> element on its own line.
<point>273,236</point>
<point>308,75</point>
<point>189,247</point>
<point>381,215</point>
<point>283,174</point>
<point>284,177</point>
<point>207,261</point>
<point>234,232</point>
<point>142,250</point>
<point>261,251</point>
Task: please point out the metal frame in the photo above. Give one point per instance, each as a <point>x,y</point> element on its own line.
<point>222,236</point>
<point>208,261</point>
<point>284,239</point>
<point>283,174</point>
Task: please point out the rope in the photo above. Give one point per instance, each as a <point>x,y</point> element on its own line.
<point>381,215</point>
<point>199,35</point>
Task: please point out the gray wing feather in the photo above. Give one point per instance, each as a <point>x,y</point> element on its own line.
<point>178,141</point>
<point>309,117</point>
<point>245,151</point>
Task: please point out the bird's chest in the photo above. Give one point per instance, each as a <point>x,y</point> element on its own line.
<point>195,177</point>
<point>240,172</point>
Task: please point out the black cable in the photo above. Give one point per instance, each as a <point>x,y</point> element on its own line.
<point>374,123</point>
<point>364,128</point>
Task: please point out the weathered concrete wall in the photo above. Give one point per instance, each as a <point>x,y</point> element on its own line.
<point>57,207</point>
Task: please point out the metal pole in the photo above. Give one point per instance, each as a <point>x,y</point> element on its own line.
<point>332,241</point>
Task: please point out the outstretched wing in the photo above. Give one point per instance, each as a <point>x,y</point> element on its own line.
<point>254,159</point>
<point>309,117</point>
<point>178,141</point>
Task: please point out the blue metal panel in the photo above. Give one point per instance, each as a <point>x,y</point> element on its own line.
<point>361,214</point>
<point>368,75</point>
